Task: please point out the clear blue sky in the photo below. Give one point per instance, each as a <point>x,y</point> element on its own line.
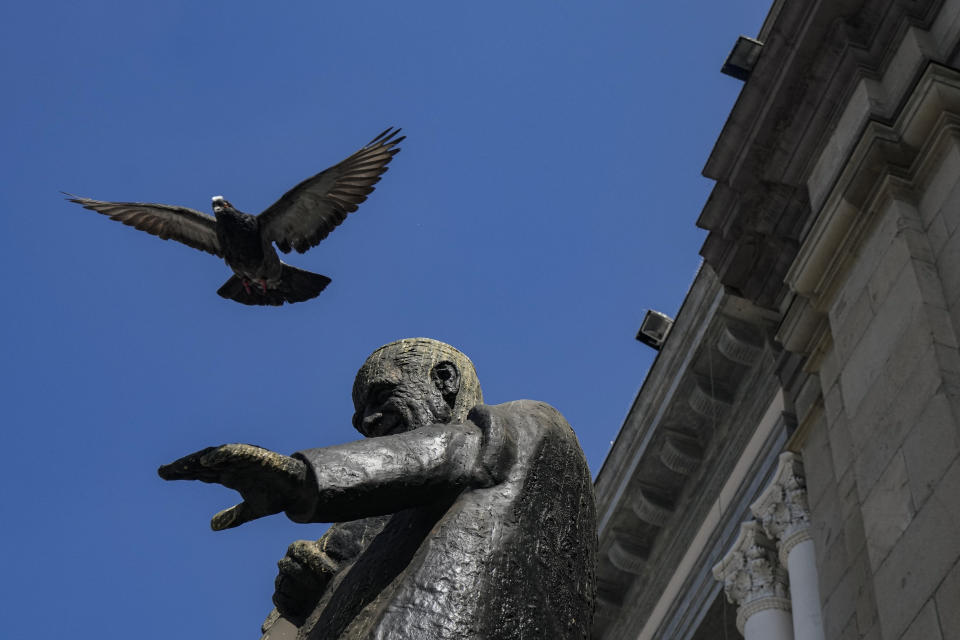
<point>545,197</point>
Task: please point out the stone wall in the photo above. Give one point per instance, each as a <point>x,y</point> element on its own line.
<point>883,456</point>
<point>835,222</point>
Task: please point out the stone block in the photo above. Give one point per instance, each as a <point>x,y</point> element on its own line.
<point>946,26</point>
<point>929,283</point>
<point>946,493</point>
<point>892,408</point>
<point>931,447</point>
<point>954,311</point>
<point>940,184</point>
<point>894,322</point>
<point>887,510</point>
<point>849,332</point>
<point>849,497</point>
<point>829,369</point>
<point>937,235</point>
<point>866,605</point>
<point>950,210</point>
<point>947,598</point>
<point>870,253</point>
<point>850,632</point>
<point>847,490</point>
<point>818,463</point>
<point>942,331</point>
<point>948,360</point>
<point>873,633</point>
<point>832,404</point>
<point>839,608</point>
<point>926,626</point>
<point>948,265</point>
<point>826,529</point>
<point>808,398</point>
<point>914,235</point>
<point>841,446</point>
<point>920,561</point>
<point>854,536</point>
<point>888,271</point>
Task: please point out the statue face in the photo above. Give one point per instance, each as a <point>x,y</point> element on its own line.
<point>394,401</point>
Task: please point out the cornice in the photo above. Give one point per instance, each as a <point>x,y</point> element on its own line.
<point>818,59</point>
<point>886,164</point>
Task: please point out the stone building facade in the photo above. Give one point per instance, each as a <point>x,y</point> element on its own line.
<point>791,466</point>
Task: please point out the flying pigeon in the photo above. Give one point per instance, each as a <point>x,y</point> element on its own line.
<point>300,219</point>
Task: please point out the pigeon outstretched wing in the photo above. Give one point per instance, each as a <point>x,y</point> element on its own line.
<point>307,213</point>
<point>191,227</point>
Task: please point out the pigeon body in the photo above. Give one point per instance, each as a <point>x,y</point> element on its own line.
<point>299,220</point>
<point>245,248</point>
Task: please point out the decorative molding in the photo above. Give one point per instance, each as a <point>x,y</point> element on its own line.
<point>626,559</point>
<point>884,164</point>
<point>678,456</point>
<point>756,606</point>
<point>609,594</point>
<point>782,508</point>
<point>707,400</point>
<point>792,540</point>
<point>738,346</point>
<point>751,573</point>
<point>650,509</point>
<point>679,582</point>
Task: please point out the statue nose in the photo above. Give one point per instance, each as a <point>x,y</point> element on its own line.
<point>379,423</point>
<point>372,418</point>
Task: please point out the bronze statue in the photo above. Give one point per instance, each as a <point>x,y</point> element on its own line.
<point>453,519</point>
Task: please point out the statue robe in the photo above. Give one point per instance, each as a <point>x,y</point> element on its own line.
<point>492,534</point>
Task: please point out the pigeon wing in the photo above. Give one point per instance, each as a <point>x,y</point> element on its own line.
<point>307,213</point>
<point>191,227</point>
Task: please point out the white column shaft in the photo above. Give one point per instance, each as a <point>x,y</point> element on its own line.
<point>805,592</point>
<point>769,624</point>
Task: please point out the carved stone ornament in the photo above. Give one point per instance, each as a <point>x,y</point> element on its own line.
<point>751,574</point>
<point>679,456</point>
<point>782,508</point>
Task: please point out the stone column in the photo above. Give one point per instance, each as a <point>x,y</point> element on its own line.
<point>783,511</point>
<point>753,579</point>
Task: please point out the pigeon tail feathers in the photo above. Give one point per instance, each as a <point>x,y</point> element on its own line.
<point>296,285</point>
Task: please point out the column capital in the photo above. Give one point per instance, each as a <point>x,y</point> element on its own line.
<point>751,574</point>
<point>782,508</point>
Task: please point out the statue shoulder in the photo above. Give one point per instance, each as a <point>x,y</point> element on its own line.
<point>525,410</point>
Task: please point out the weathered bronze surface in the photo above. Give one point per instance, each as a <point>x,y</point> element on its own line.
<point>453,519</point>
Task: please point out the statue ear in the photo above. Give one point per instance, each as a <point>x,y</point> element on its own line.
<point>446,378</point>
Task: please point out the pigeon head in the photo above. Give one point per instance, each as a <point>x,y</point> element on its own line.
<point>220,204</point>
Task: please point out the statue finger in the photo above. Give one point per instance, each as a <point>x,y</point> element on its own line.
<point>189,467</point>
<point>237,455</point>
<point>235,516</point>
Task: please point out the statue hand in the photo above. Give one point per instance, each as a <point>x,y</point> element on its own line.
<point>302,579</point>
<point>268,482</point>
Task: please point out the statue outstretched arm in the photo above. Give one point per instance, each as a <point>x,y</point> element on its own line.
<point>389,473</point>
<point>355,480</point>
<point>268,482</point>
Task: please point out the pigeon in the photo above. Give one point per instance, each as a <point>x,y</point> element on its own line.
<point>299,220</point>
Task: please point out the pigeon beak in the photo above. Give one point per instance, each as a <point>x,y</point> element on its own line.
<point>218,204</point>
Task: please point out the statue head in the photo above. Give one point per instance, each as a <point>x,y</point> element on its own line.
<point>411,383</point>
